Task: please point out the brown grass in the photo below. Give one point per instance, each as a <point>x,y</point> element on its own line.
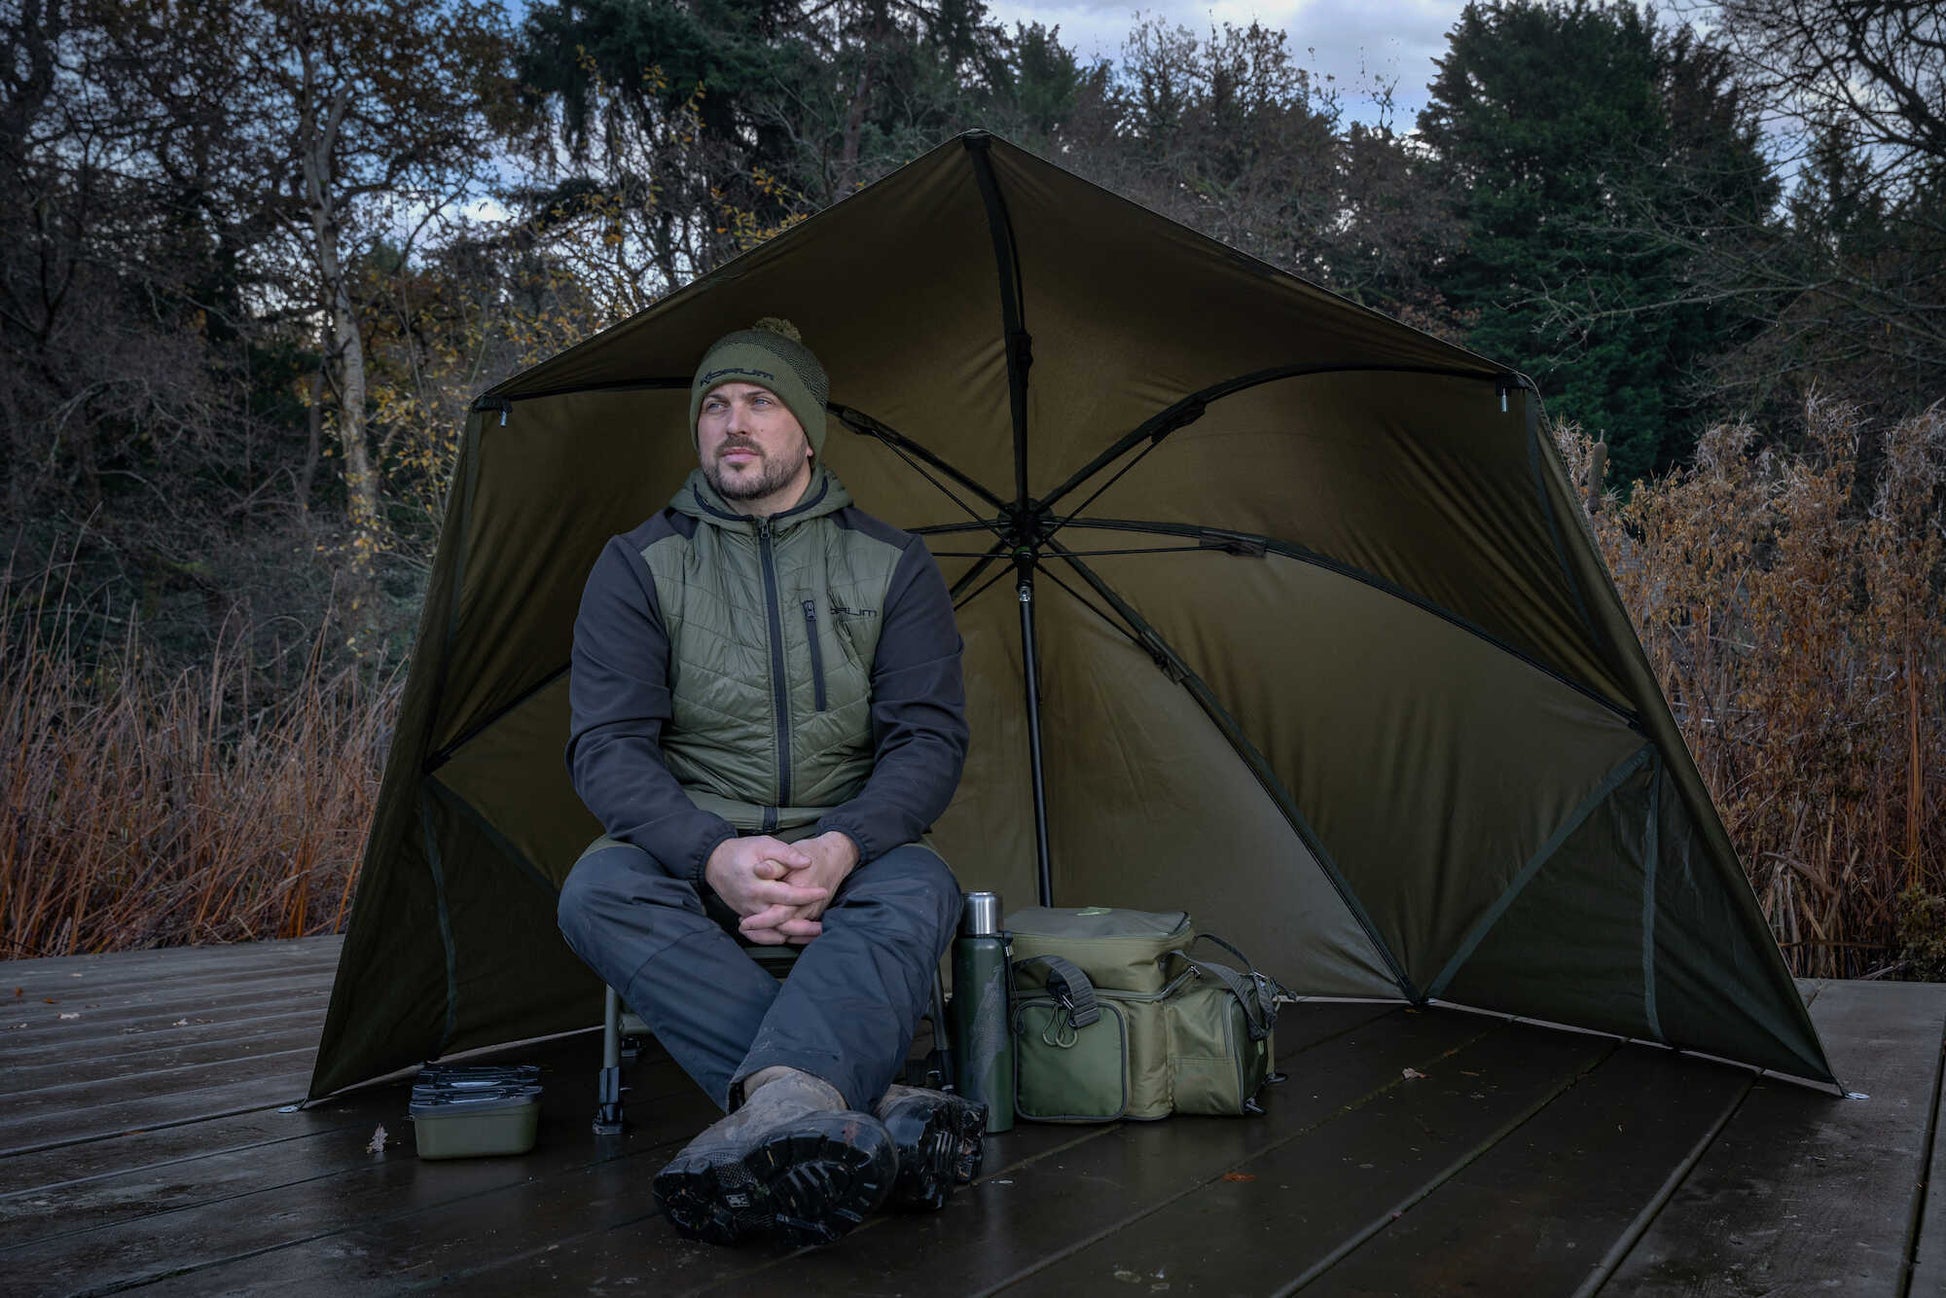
<point>138,809</point>
<point>1790,604</point>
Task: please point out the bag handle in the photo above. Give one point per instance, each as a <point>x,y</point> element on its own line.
<point>1069,987</point>
<point>1251,990</point>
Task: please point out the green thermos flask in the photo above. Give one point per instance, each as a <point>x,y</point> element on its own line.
<point>984,1060</point>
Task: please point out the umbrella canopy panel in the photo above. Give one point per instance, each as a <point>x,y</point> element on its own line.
<point>1320,653</point>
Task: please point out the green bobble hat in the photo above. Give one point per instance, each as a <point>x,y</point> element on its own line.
<point>772,355</point>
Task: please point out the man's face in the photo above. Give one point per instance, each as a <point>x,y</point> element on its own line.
<point>752,446</point>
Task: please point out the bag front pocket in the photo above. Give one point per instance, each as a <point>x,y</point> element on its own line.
<point>1067,1074</point>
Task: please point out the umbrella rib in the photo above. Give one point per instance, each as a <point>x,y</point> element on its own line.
<point>1111,480</point>
<point>1019,344</point>
<point>959,603</point>
<point>860,422</point>
<point>1187,410</point>
<point>1092,607</point>
<point>1225,540</point>
<point>489,402</point>
<point>1178,670</point>
<point>940,529</point>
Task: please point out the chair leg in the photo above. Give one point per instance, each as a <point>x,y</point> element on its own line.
<point>935,1069</point>
<point>942,1036</point>
<point>608,1090</point>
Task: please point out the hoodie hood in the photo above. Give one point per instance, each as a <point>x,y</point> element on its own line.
<point>699,500</point>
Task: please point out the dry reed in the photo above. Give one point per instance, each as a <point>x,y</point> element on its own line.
<point>1790,604</point>
<point>138,809</point>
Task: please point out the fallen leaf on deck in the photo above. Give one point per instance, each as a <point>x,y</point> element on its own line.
<point>376,1145</point>
<point>49,1000</point>
<point>1239,1176</point>
<point>180,1023</point>
<point>1412,1075</point>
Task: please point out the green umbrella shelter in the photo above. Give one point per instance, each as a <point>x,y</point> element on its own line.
<point>1320,648</point>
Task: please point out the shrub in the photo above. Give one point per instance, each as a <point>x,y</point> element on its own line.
<point>1790,602</point>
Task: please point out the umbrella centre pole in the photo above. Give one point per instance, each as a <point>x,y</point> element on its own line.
<point>1024,563</point>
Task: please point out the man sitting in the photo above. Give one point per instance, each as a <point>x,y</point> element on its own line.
<point>767,716</point>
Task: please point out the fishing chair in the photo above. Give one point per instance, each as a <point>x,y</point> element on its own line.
<point>622,1030</point>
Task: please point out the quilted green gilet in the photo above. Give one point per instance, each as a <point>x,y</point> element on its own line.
<point>773,625</point>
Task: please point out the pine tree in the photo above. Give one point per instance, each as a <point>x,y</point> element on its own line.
<point>1572,137</point>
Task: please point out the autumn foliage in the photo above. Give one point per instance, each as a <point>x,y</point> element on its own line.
<point>1790,602</point>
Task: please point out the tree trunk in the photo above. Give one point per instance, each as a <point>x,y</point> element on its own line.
<point>345,347</point>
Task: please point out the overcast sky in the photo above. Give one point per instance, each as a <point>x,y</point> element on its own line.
<point>1355,41</point>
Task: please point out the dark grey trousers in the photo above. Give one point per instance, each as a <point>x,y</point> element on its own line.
<point>847,1012</point>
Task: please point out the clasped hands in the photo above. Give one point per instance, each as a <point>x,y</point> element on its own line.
<point>780,889</point>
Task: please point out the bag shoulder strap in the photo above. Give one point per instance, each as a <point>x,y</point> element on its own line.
<point>1069,987</point>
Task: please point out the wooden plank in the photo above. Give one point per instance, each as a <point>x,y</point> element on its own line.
<point>1539,1212</point>
<point>50,1130</point>
<point>63,1068</point>
<point>167,1001</point>
<point>65,1189</point>
<point>124,965</point>
<point>135,1039</point>
<point>1263,1223</point>
<point>522,1228</point>
<point>28,1109</point>
<point>1804,1192</point>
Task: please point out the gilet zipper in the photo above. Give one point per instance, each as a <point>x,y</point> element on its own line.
<point>780,698</point>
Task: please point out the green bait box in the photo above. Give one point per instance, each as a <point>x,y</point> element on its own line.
<point>476,1111</point>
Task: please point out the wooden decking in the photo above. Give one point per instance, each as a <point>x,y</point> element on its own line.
<point>142,1145</point>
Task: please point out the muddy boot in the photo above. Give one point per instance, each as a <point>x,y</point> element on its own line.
<point>791,1165</point>
<point>940,1138</point>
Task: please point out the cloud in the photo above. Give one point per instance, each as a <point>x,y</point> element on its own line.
<point>1358,43</point>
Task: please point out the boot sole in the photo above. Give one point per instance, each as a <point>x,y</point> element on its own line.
<point>802,1187</point>
<point>941,1144</point>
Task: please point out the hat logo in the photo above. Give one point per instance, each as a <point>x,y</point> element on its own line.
<point>714,375</point>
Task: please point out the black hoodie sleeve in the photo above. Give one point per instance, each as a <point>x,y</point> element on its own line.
<point>918,714</point>
<point>618,697</point>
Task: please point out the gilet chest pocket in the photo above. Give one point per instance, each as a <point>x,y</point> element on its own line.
<point>817,653</point>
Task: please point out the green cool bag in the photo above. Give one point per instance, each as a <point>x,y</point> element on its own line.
<point>1121,957</point>
<point>1114,1019</point>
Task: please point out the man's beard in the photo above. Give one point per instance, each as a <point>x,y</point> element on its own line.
<point>775,475</point>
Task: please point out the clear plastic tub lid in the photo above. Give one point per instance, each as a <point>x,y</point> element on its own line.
<point>474,1088</point>
<point>439,1103</point>
<point>478,1076</point>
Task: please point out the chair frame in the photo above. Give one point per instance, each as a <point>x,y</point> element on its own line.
<point>621,1026</point>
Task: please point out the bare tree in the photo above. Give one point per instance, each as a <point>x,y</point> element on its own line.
<point>382,111</point>
<point>1852,272</point>
<point>1870,72</point>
